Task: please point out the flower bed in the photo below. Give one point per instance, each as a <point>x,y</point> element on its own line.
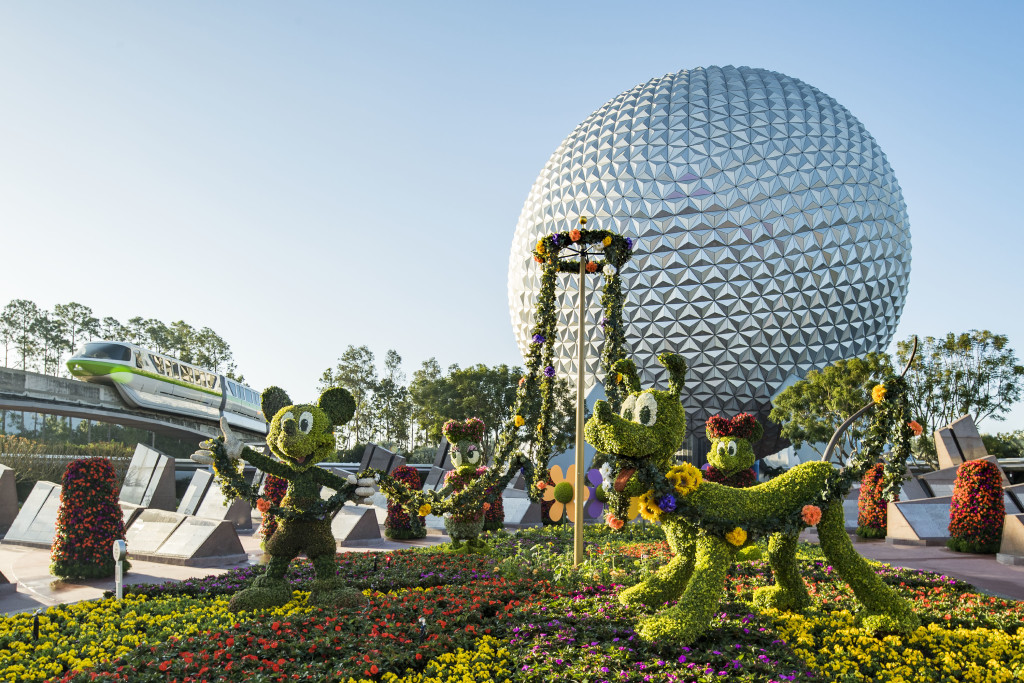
<point>493,618</point>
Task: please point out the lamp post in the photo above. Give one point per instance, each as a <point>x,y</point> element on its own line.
<point>581,354</point>
<point>120,551</point>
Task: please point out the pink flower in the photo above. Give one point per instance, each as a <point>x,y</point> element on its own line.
<point>811,514</point>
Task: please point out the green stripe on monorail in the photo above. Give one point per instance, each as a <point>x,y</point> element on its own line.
<point>99,368</point>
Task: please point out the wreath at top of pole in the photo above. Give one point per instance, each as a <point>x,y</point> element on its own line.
<point>525,440</point>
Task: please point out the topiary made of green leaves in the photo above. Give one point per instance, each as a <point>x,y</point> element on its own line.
<point>300,437</point>
<point>563,492</point>
<point>707,523</point>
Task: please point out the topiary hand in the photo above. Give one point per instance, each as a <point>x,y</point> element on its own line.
<point>366,488</point>
<point>232,446</point>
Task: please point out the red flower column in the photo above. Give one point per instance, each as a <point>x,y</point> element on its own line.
<point>977,513</point>
<point>274,490</point>
<point>89,520</point>
<point>399,524</point>
<point>872,510</point>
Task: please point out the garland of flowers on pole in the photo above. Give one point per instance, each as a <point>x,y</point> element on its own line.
<point>892,423</point>
<point>520,447</point>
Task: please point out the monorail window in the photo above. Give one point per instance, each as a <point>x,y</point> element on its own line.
<point>102,351</point>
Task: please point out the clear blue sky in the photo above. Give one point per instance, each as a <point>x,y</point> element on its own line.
<point>304,176</point>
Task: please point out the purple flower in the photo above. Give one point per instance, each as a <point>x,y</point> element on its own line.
<point>554,239</point>
<point>667,502</point>
<point>629,243</point>
<point>538,339</point>
<point>549,371</point>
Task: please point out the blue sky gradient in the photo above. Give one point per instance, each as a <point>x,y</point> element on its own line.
<point>305,176</point>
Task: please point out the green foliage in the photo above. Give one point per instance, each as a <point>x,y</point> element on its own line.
<point>812,409</point>
<point>338,405</point>
<point>974,373</point>
<point>1005,444</point>
<point>272,400</point>
<point>563,492</point>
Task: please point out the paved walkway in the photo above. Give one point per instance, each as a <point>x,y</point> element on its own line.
<point>983,571</point>
<point>28,569</point>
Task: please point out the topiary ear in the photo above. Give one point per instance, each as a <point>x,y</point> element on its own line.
<point>338,404</point>
<point>676,367</point>
<point>627,368</point>
<point>272,400</point>
<point>758,432</point>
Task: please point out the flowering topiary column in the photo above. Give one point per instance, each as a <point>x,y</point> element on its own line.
<point>872,509</point>
<point>977,513</point>
<point>89,520</point>
<point>400,524</point>
<point>274,490</point>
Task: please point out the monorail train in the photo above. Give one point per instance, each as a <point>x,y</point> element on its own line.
<point>155,381</point>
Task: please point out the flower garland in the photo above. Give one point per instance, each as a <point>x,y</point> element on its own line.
<point>229,475</point>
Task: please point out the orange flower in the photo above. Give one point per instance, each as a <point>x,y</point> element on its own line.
<point>575,235</point>
<point>591,267</point>
<point>811,514</point>
<point>915,427</point>
<point>487,506</point>
<point>538,259</point>
<point>541,485</point>
<point>262,505</point>
<point>613,521</point>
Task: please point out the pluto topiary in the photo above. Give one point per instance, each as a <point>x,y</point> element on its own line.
<point>399,524</point>
<point>89,520</point>
<point>300,436</point>
<point>872,508</point>
<point>706,523</point>
<point>977,512</point>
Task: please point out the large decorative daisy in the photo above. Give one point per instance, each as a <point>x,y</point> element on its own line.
<point>563,493</point>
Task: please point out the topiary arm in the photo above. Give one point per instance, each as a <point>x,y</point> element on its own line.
<point>266,463</point>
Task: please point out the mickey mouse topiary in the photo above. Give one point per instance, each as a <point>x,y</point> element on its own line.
<point>300,436</point>
<point>89,520</point>
<point>977,512</point>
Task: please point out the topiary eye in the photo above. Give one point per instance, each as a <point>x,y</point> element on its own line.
<point>721,450</point>
<point>732,448</point>
<point>305,422</point>
<point>646,409</point>
<point>286,416</point>
<point>627,407</point>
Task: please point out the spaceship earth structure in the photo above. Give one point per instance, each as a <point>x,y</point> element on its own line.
<point>770,235</point>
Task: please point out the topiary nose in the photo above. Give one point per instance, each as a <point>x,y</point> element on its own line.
<point>290,427</point>
<point>603,411</point>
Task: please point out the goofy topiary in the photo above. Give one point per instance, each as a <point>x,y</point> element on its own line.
<point>706,523</point>
<point>300,436</point>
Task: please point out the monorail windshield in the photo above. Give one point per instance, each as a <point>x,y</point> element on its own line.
<point>102,351</point>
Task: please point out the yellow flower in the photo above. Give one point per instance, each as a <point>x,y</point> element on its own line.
<point>737,536</point>
<point>519,421</point>
<point>878,393</point>
<point>583,220</point>
<point>618,378</point>
<point>686,478</point>
<point>649,510</point>
<point>540,247</point>
<point>606,241</point>
<point>424,510</point>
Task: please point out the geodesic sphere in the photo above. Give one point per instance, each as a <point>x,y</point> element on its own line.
<point>770,235</point>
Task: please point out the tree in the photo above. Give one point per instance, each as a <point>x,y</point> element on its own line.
<point>391,407</point>
<point>975,373</point>
<point>79,323</point>
<point>812,409</point>
<point>51,341</point>
<point>213,352</point>
<point>158,336</point>
<point>20,317</point>
<point>1005,444</point>
<point>136,330</point>
<point>357,373</point>
<point>111,329</point>
<point>183,341</point>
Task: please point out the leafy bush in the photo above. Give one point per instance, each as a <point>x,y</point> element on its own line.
<point>977,513</point>
<point>34,461</point>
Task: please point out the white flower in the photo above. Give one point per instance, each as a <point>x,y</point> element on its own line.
<point>609,269</point>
